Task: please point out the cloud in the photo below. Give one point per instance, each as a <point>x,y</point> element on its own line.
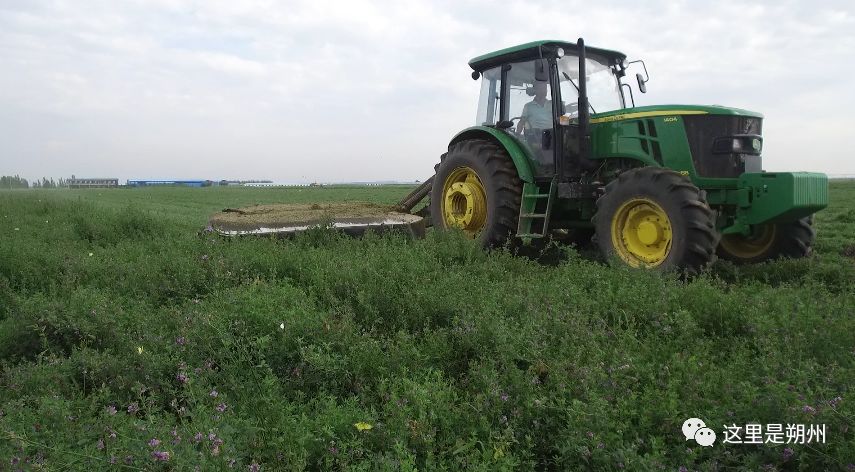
<point>332,91</point>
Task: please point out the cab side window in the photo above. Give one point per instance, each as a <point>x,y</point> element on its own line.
<point>488,103</point>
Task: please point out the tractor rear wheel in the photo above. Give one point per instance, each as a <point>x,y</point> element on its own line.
<point>476,189</point>
<point>655,218</point>
<point>769,241</point>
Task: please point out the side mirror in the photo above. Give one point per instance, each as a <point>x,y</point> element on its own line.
<point>475,75</point>
<point>541,70</point>
<point>642,85</point>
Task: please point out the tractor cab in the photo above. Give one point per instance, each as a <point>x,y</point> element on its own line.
<point>540,85</point>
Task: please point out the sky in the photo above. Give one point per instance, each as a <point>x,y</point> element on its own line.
<point>334,91</point>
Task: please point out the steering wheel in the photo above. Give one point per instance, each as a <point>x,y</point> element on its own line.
<point>515,127</point>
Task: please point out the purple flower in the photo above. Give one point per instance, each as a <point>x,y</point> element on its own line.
<point>129,460</point>
<point>133,408</point>
<point>154,442</point>
<point>209,229</point>
<point>174,432</point>
<point>214,393</point>
<point>180,340</point>
<point>100,444</point>
<point>198,437</point>
<point>683,469</point>
<point>211,436</point>
<point>181,377</point>
<point>254,467</point>
<point>222,407</point>
<point>787,453</point>
<point>850,467</point>
<point>232,463</point>
<point>204,257</point>
<point>809,409</point>
<point>333,450</point>
<point>113,459</point>
<point>834,401</point>
<point>600,446</point>
<point>111,410</point>
<point>504,397</point>
<point>161,456</point>
<point>14,460</point>
<point>590,434</point>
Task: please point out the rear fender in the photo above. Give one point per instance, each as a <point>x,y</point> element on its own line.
<point>521,159</point>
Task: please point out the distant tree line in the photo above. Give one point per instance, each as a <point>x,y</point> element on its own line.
<point>45,183</point>
<point>8,181</point>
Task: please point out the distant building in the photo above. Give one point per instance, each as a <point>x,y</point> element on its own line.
<point>255,183</point>
<point>185,183</point>
<point>74,182</point>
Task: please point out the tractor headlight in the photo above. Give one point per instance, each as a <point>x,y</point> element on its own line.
<point>739,144</point>
<point>559,53</point>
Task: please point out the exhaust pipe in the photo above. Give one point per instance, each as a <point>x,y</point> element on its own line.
<point>584,114</point>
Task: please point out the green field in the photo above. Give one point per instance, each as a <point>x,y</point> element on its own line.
<point>128,337</point>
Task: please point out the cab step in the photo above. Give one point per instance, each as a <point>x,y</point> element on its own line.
<point>535,209</point>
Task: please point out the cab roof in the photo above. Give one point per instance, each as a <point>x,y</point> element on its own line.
<point>532,51</point>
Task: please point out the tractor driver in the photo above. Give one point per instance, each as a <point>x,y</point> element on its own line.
<point>535,118</point>
<point>536,114</point>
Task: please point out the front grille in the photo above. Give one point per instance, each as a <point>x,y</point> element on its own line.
<point>702,130</point>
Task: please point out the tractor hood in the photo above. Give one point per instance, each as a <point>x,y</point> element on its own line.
<point>670,110</point>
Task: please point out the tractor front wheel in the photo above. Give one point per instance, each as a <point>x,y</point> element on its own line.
<point>655,218</point>
<point>769,241</point>
<point>477,190</point>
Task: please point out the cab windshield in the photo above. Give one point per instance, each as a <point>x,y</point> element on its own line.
<point>603,86</point>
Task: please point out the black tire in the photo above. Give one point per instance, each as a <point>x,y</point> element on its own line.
<point>691,222</point>
<point>771,241</point>
<point>501,184</point>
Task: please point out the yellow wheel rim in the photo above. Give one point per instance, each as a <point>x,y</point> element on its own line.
<point>464,202</point>
<point>641,233</point>
<point>748,247</point>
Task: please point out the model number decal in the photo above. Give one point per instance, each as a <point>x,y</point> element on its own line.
<point>670,119</point>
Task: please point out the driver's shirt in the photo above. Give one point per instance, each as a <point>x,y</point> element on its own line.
<point>538,116</point>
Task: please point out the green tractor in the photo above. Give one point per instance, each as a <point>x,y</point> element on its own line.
<point>558,150</point>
